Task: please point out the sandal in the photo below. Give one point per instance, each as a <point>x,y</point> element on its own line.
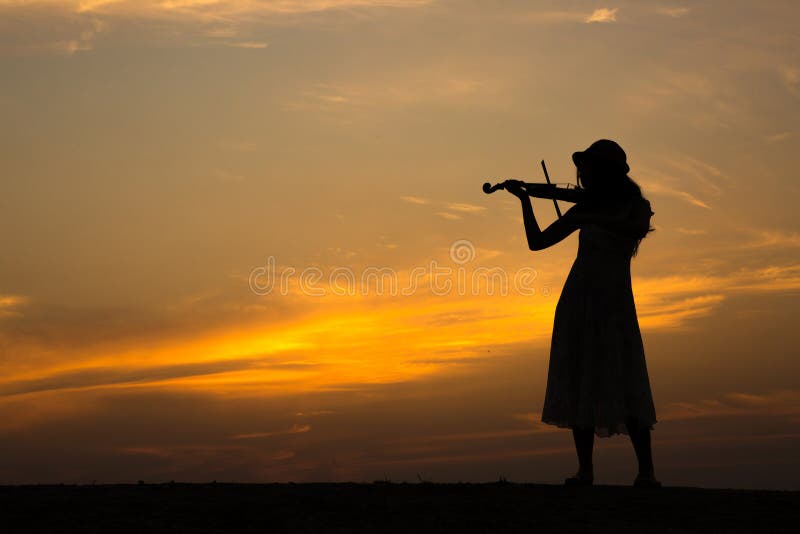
<point>580,479</point>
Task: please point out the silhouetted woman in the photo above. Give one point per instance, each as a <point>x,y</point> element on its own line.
<point>597,379</point>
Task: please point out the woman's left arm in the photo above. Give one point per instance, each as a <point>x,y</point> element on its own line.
<point>540,239</point>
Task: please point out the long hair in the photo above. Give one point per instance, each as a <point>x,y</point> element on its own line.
<point>615,185</point>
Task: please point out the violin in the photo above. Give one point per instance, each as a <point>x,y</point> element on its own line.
<point>568,192</point>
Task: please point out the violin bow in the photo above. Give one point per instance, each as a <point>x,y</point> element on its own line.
<point>547,177</point>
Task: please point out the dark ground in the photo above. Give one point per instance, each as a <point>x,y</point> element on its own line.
<point>391,507</point>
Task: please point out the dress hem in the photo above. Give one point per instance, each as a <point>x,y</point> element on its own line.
<point>600,431</point>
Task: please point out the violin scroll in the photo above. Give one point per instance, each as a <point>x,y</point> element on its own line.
<point>489,188</point>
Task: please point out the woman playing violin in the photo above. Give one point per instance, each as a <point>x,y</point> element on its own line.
<point>597,379</point>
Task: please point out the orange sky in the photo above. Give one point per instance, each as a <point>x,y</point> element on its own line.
<point>158,154</point>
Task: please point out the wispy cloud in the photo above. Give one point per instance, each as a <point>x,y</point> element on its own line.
<point>772,404</point>
<point>85,40</point>
<point>42,32</point>
<point>216,8</point>
<point>10,304</point>
<point>421,84</point>
<point>247,44</point>
<point>602,14</point>
<point>790,75</point>
<point>314,413</point>
<point>543,16</point>
<point>90,5</point>
<point>772,238</point>
<point>8,301</point>
<point>415,200</point>
<point>704,173</point>
<point>533,426</point>
<point>295,429</point>
<point>465,208</point>
<point>41,21</point>
<point>674,12</point>
<point>778,137</point>
<point>122,375</point>
<point>683,177</point>
<point>448,210</point>
<point>692,231</point>
<point>697,97</point>
<point>653,185</point>
<point>670,301</point>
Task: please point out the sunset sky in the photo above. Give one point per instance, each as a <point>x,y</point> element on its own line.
<point>160,156</point>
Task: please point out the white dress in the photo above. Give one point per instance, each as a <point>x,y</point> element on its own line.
<point>597,375</point>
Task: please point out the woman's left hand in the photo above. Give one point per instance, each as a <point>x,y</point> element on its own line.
<point>515,187</point>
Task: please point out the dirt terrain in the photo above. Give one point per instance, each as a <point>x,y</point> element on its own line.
<point>391,507</point>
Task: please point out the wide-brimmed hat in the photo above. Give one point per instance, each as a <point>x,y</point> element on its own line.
<point>606,153</point>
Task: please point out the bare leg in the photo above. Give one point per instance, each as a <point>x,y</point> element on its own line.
<point>640,437</point>
<point>584,443</point>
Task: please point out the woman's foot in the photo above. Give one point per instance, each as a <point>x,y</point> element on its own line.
<point>580,479</point>
<point>646,479</point>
